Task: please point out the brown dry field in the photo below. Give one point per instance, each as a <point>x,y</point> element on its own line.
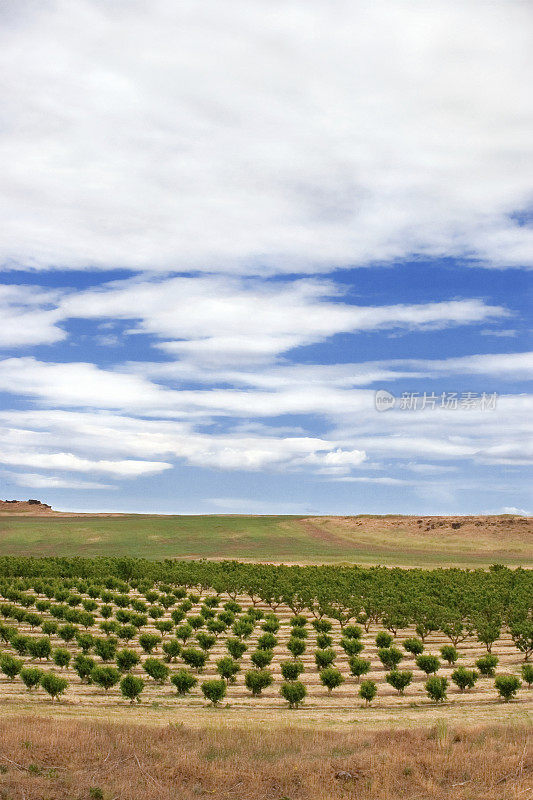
<point>339,710</point>
<point>49,760</point>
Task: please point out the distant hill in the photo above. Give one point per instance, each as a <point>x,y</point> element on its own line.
<point>24,507</point>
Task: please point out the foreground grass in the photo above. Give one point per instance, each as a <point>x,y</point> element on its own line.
<point>262,538</point>
<point>42,758</point>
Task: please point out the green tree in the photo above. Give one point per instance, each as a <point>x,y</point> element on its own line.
<point>399,679</point>
<point>214,690</point>
<point>131,687</point>
<point>106,648</point>
<point>507,686</point>
<point>262,658</point>
<point>428,663</point>
<point>194,658</point>
<point>127,659</point>
<point>436,688</point>
<point>53,684</point>
<point>184,681</point>
<point>390,657</point>
<point>227,668</point>
<point>367,691</point>
<point>61,657</point>
<point>324,658</point>
<point>106,677</point>
<point>256,680</point>
<point>291,670</point>
<point>149,641</point>
<point>84,666</point>
<point>31,676</point>
<point>296,646</point>
<point>235,647</point>
<point>358,666</point>
<point>487,664</point>
<point>11,666</point>
<point>156,669</point>
<point>414,646</point>
<point>465,678</point>
<point>527,674</point>
<point>384,639</point>
<point>294,692</point>
<point>331,678</point>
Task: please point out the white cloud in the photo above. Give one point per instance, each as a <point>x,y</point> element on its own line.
<point>36,481</point>
<point>264,136</point>
<point>29,316</point>
<point>72,463</point>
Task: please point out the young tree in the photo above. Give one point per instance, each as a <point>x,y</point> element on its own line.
<point>436,688</point>
<point>40,648</point>
<point>106,648</point>
<point>487,664</point>
<point>156,669</point>
<point>31,676</point>
<point>449,653</point>
<point>214,690</point>
<point>256,680</point>
<point>384,639</point>
<point>351,646</point>
<point>267,641</point>
<point>84,666</point>
<point>399,679</point>
<point>227,668</point>
<point>390,657</point>
<point>414,646</point>
<point>127,659</point>
<point>262,658</point>
<point>149,641</point>
<point>428,663</point>
<point>507,686</point>
<point>171,649</point>
<point>235,647</point>
<point>291,670</point>
<point>296,646</point>
<point>367,691</point>
<point>194,658</point>
<point>359,666</point>
<point>53,684</point>
<point>324,658</point>
<point>131,687</point>
<point>61,657</point>
<point>11,666</point>
<point>106,677</point>
<point>465,678</point>
<point>184,681</point>
<point>294,692</point>
<point>527,674</point>
<point>331,678</point>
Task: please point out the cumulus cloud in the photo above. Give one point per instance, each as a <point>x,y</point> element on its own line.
<point>261,136</point>
<point>37,481</point>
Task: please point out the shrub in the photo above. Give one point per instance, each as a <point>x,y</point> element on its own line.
<point>267,642</point>
<point>324,640</point>
<point>106,677</point>
<point>262,658</point>
<point>227,668</point>
<point>331,678</point>
<point>196,622</point>
<point>235,647</point>
<point>131,687</point>
<point>507,686</point>
<point>351,646</point>
<point>399,679</point>
<point>449,653</point>
<point>127,659</point>
<point>527,674</point>
<point>171,649</point>
<point>40,648</point>
<point>156,669</point>
<point>271,624</point>
<point>258,679</point>
<point>49,626</point>
<point>105,648</point>
<point>384,639</point>
<point>61,657</point>
<point>436,688</point>
<point>428,663</point>
<point>20,643</point>
<point>296,646</point>
<point>84,666</point>
<point>390,657</point>
<point>53,684</point>
<point>293,692</point>
<point>242,629</point>
<point>194,658</point>
<point>487,664</point>
<point>214,690</point>
<point>31,676</point>
<point>149,641</point>
<point>299,633</point>
<point>67,632</point>
<point>358,666</point>
<point>206,640</point>
<point>465,678</point>
<point>291,670</point>
<point>11,666</point>
<point>298,621</point>
<point>184,681</point>
<point>367,691</point>
<point>85,641</point>
<point>324,658</point>
<point>352,632</point>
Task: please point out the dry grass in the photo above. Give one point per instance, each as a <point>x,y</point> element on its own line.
<point>58,760</point>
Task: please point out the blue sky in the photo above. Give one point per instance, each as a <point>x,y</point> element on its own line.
<point>225,227</point>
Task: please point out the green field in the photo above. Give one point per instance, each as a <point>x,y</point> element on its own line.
<point>259,538</point>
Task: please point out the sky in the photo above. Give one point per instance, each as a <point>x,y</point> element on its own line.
<point>266,257</point>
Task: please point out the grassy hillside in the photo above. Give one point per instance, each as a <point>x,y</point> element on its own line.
<point>386,540</point>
